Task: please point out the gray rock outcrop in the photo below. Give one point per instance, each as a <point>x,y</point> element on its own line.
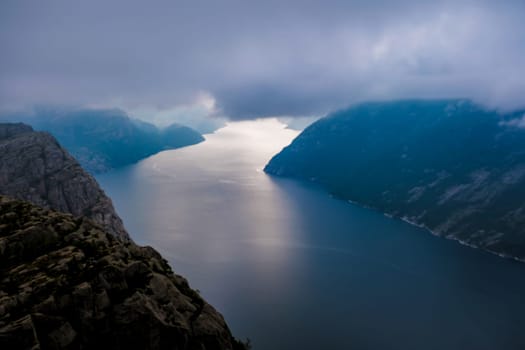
<point>34,167</point>
<point>65,283</point>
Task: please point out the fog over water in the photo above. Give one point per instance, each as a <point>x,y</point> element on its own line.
<point>290,267</point>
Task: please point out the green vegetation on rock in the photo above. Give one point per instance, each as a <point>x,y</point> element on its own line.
<point>451,166</point>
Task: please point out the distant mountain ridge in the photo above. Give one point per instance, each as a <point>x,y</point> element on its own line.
<point>451,166</point>
<point>105,139</point>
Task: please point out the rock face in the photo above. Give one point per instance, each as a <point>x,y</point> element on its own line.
<point>450,166</point>
<point>34,167</point>
<point>105,139</point>
<point>67,284</point>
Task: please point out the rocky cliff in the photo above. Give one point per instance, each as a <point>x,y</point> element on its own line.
<point>34,167</point>
<point>65,283</point>
<point>451,166</point>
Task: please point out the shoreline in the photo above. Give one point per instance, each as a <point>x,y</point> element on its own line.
<point>402,218</point>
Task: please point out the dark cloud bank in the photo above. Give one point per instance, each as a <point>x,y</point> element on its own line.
<point>247,59</point>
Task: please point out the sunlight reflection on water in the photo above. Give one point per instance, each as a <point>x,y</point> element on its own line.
<point>292,268</point>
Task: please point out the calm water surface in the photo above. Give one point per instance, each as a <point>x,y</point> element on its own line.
<point>292,268</point>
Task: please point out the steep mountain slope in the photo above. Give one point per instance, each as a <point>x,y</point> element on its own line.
<point>67,284</point>
<point>104,139</point>
<point>78,281</point>
<point>34,167</point>
<point>176,136</point>
<point>450,166</point>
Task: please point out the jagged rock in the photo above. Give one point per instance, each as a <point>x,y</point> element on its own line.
<point>65,283</point>
<point>34,167</point>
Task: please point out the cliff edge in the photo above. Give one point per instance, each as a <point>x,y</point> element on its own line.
<point>35,168</point>
<point>65,283</point>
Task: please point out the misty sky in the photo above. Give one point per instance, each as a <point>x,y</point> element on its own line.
<point>247,59</point>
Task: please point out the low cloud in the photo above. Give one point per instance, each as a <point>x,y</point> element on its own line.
<point>258,59</point>
<point>516,123</point>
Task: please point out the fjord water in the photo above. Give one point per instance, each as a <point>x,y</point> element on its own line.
<point>290,267</point>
